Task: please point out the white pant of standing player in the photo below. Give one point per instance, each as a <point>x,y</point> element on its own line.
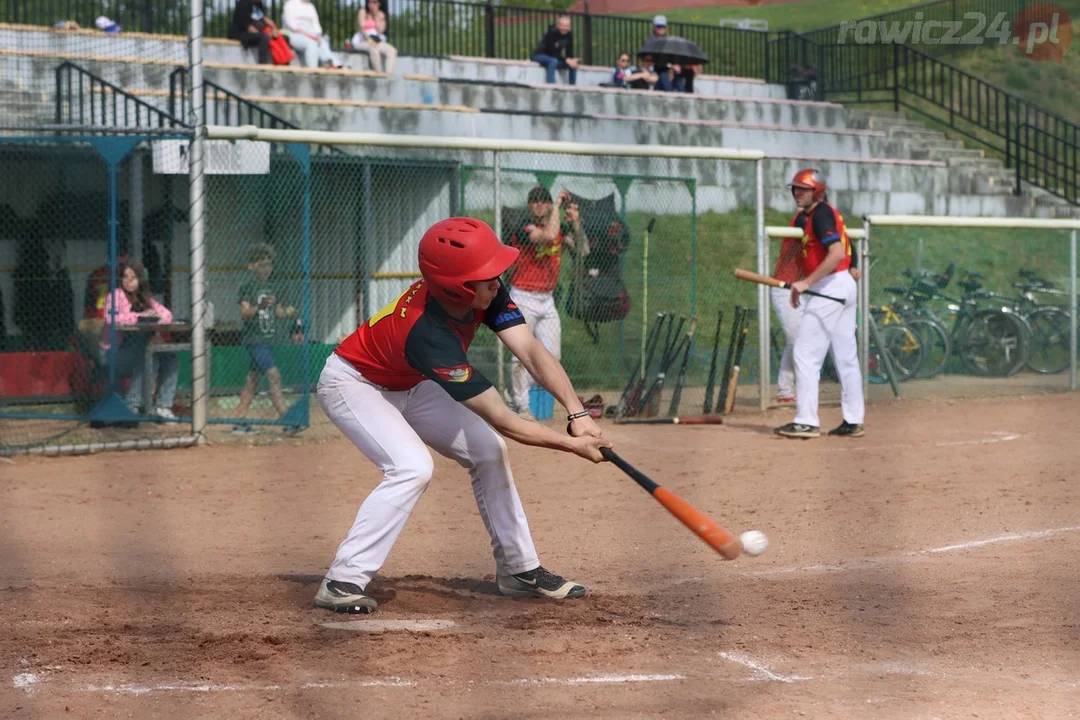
<point>390,428</point>
<point>827,324</point>
<point>543,319</point>
<point>789,321</point>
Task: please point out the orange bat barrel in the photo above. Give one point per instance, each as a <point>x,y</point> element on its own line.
<point>715,536</point>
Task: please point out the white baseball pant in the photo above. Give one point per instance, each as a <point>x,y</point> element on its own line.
<point>543,319</point>
<point>827,324</point>
<point>789,322</point>
<point>390,428</point>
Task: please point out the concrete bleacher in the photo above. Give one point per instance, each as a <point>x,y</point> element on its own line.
<point>876,162</point>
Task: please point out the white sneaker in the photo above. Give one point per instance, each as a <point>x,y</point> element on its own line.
<point>165,413</point>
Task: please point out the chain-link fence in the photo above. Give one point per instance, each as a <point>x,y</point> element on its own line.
<point>298,257</point>
<point>973,310</point>
<point>89,355</point>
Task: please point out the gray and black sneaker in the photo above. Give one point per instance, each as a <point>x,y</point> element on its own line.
<point>539,583</point>
<point>798,430</point>
<point>846,429</point>
<point>343,597</point>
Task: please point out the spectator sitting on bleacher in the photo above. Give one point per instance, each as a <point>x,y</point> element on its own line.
<point>556,50</point>
<point>301,19</point>
<point>640,77</point>
<point>249,26</point>
<point>673,77</point>
<point>371,38</point>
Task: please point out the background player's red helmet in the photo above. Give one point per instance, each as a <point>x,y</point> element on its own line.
<point>810,179</point>
<point>459,250</point>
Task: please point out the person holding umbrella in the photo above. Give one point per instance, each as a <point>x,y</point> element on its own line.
<point>677,59</point>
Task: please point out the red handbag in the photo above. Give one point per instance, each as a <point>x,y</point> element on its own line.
<point>280,50</point>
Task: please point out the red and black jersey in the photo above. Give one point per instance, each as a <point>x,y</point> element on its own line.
<point>823,226</point>
<point>414,338</point>
<point>537,268</point>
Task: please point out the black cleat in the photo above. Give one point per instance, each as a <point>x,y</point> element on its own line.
<point>798,430</point>
<point>539,583</point>
<point>846,429</point>
<point>343,597</point>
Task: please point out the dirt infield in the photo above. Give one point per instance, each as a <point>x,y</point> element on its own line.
<point>926,570</point>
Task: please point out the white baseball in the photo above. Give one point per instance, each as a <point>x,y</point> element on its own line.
<point>754,542</point>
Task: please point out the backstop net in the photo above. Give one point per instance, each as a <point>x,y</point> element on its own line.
<point>299,256</point>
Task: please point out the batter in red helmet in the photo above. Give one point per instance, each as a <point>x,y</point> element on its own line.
<point>403,381</point>
<point>825,259</point>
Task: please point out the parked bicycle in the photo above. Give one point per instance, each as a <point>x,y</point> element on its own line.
<point>989,341</point>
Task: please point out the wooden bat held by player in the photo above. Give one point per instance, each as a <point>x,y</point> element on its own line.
<point>715,536</point>
<point>766,280</point>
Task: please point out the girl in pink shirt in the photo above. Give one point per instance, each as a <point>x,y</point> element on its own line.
<point>134,305</point>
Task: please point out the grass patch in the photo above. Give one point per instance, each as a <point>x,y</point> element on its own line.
<point>797,16</point>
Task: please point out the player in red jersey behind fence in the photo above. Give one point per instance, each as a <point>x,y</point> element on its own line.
<point>403,380</point>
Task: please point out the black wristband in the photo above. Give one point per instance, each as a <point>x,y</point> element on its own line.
<point>574,416</point>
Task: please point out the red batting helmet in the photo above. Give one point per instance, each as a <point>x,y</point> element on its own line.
<point>810,179</point>
<point>459,250</point>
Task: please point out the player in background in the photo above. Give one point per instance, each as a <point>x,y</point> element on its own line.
<point>541,238</point>
<point>789,269</point>
<point>403,380</point>
<point>825,324</point>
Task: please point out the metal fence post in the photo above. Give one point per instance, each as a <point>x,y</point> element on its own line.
<point>864,306</point>
<point>1072,310</point>
<point>489,30</point>
<point>200,395</point>
<point>764,371</point>
<point>496,164</point>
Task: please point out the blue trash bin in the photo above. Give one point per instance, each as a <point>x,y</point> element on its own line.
<point>541,403</point>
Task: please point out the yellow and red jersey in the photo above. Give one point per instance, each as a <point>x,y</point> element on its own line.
<point>537,268</point>
<point>413,338</point>
<point>822,226</point>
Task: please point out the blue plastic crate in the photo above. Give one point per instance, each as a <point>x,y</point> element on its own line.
<point>541,403</point>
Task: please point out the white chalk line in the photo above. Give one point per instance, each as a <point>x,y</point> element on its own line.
<point>760,670</point>
<point>996,437</point>
<point>918,554</point>
<point>30,682</point>
<point>763,672</point>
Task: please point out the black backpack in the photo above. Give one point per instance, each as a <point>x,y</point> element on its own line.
<point>596,290</point>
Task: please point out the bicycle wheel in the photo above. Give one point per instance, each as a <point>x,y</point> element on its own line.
<point>904,349</point>
<point>1049,351</point>
<point>993,344</point>
<point>935,344</point>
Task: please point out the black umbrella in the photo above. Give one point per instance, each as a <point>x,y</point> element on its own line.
<point>673,49</point>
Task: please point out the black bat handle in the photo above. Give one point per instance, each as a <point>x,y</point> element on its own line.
<point>652,222</point>
<point>636,475</point>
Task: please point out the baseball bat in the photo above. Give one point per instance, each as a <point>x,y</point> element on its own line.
<point>645,291</point>
<point>630,396</point>
<point>665,364</point>
<point>733,386</point>
<point>692,420</point>
<point>711,382</point>
<point>676,394</point>
<point>718,538</point>
<point>729,361</point>
<point>766,280</point>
